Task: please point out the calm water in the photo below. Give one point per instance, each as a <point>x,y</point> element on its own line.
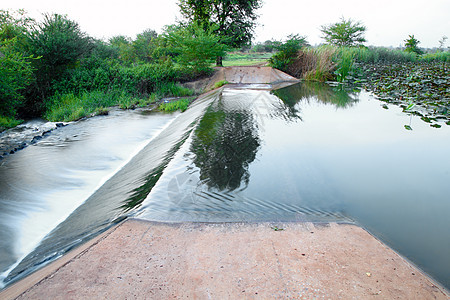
<point>308,152</point>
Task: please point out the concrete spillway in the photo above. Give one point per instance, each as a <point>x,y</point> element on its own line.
<point>148,260</point>
<point>211,234</point>
<point>251,75</point>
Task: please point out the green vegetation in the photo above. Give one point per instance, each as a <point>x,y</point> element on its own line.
<point>54,70</point>
<point>180,104</point>
<point>268,46</point>
<point>220,83</point>
<point>344,33</point>
<point>417,83</point>
<point>246,59</point>
<point>419,88</point>
<point>287,52</point>
<point>411,45</point>
<point>6,122</point>
<point>233,21</point>
<point>196,48</point>
<point>15,66</point>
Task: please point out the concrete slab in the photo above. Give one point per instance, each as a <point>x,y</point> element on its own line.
<point>148,260</point>
<point>249,75</point>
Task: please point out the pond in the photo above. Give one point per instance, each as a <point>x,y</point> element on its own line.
<point>308,152</point>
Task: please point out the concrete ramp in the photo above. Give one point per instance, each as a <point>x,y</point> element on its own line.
<point>251,75</point>
<point>147,260</point>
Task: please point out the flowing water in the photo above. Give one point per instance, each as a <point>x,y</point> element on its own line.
<point>307,152</point>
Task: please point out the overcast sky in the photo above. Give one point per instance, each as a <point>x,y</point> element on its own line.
<point>388,22</point>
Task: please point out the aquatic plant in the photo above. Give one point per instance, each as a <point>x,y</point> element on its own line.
<point>318,63</point>
<point>172,89</point>
<point>344,65</point>
<point>419,88</point>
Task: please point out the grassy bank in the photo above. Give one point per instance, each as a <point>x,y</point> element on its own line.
<point>71,107</point>
<point>245,59</point>
<point>6,123</point>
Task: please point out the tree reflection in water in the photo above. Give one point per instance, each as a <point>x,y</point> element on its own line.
<point>226,140</point>
<point>292,96</point>
<point>224,144</point>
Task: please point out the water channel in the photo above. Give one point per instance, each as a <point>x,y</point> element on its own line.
<point>307,152</point>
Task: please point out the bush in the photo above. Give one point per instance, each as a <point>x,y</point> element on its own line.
<point>287,52</point>
<point>15,66</point>
<point>60,44</point>
<point>15,76</point>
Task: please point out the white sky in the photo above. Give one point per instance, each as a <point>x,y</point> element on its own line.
<point>388,22</point>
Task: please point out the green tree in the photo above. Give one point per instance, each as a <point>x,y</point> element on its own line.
<point>60,44</point>
<point>411,45</point>
<point>194,47</point>
<point>15,76</point>
<point>344,33</point>
<point>123,45</point>
<point>232,20</point>
<point>442,42</point>
<point>15,66</point>
<point>145,45</point>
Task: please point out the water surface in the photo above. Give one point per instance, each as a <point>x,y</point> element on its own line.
<point>311,152</point>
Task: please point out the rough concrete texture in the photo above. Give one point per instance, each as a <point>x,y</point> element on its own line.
<point>250,75</point>
<point>241,75</point>
<point>147,260</point>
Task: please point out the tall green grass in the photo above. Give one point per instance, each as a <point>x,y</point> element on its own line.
<point>172,89</point>
<point>315,64</point>
<point>70,107</point>
<point>338,63</point>
<point>438,56</point>
<point>181,104</point>
<point>7,122</point>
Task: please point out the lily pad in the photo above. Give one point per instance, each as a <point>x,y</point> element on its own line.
<point>407,127</point>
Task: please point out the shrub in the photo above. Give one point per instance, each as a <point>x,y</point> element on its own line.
<point>15,66</point>
<point>287,52</point>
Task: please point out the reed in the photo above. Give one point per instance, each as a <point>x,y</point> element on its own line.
<point>314,64</point>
